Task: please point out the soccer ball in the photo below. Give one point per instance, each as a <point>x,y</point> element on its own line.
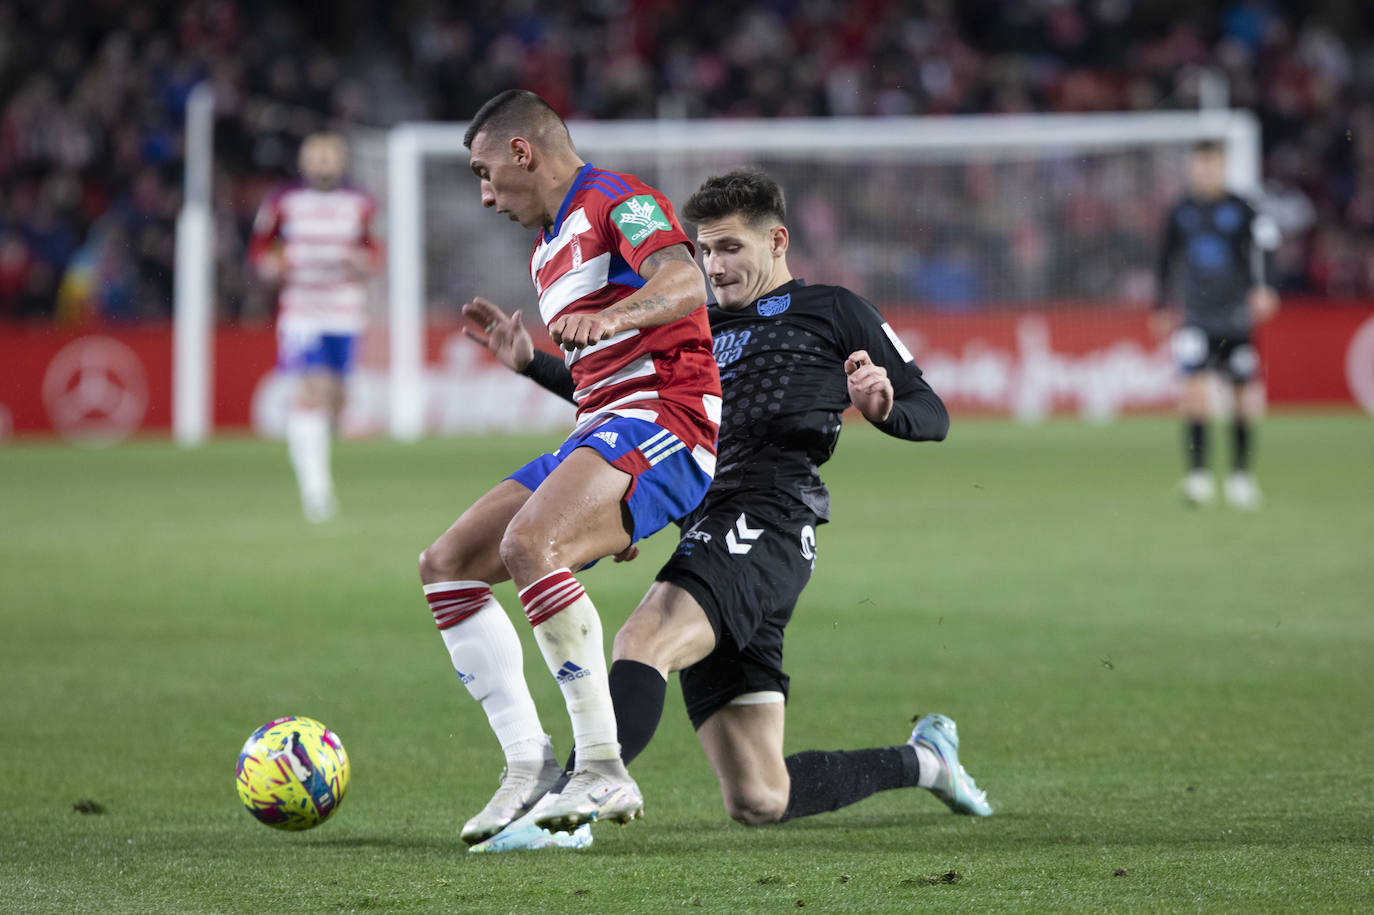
<point>292,773</point>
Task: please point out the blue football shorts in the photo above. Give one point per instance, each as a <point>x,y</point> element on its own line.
<point>666,482</point>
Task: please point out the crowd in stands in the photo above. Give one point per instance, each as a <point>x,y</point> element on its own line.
<point>93,97</point>
<point>92,104</point>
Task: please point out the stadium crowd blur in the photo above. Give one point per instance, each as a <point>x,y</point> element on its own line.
<point>93,95</point>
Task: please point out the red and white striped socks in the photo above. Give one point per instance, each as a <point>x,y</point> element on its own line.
<point>485,650</point>
<point>568,631</point>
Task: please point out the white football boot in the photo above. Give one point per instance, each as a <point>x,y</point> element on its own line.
<point>522,785</point>
<point>601,791</point>
<point>1242,492</point>
<point>524,835</point>
<point>1198,488</point>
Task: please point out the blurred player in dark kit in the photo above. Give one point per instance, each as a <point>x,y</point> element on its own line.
<point>1222,244</point>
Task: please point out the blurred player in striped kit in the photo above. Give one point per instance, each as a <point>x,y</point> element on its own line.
<point>314,238</point>
<point>1222,243</point>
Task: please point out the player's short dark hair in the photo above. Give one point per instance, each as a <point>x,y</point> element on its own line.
<point>746,192</point>
<point>1209,147</point>
<point>515,112</point>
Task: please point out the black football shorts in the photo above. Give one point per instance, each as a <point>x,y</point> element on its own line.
<point>1196,350</point>
<point>745,557</point>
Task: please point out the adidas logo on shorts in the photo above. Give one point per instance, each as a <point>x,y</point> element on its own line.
<point>607,437</point>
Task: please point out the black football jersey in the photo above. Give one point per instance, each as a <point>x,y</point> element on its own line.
<point>781,362</point>
<point>1214,241</point>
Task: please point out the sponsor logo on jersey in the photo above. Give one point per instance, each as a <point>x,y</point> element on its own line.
<point>607,437</point>
<point>570,671</point>
<point>775,305</point>
<point>694,534</point>
<point>639,217</point>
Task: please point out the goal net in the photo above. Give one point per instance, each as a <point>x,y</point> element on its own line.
<point>1014,254</point>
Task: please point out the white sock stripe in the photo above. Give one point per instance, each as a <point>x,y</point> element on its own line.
<point>449,609</point>
<point>552,592</point>
<point>537,582</point>
<point>455,586</point>
<point>554,599</point>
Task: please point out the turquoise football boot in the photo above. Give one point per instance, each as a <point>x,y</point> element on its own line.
<point>954,786</point>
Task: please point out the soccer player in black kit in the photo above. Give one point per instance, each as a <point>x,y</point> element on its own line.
<point>792,358</point>
<point>1221,242</point>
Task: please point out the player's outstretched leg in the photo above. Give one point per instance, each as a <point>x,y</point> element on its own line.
<point>457,571</point>
<point>575,516</point>
<point>952,784</point>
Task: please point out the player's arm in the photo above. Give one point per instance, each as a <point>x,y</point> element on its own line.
<point>264,248</point>
<point>366,256</point>
<point>507,339</point>
<point>1263,299</point>
<point>1161,317</point>
<point>673,288</point>
<point>885,383</point>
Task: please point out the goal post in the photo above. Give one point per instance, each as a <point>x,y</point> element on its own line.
<point>442,247</point>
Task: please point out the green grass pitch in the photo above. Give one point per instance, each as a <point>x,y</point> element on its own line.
<point>1170,709</point>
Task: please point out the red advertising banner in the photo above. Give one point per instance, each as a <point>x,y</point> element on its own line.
<point>109,383</point>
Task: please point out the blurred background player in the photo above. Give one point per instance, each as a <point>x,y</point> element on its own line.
<point>1222,243</point>
<point>793,357</point>
<point>315,239</point>
<point>620,291</point>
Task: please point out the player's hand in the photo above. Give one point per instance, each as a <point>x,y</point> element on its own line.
<point>1263,302</point>
<point>630,552</point>
<point>271,267</point>
<point>1162,323</point>
<point>503,335</point>
<point>581,331</point>
<point>360,263</point>
<point>869,387</point>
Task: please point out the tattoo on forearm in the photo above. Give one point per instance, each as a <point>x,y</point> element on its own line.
<point>647,305</point>
<point>654,261</point>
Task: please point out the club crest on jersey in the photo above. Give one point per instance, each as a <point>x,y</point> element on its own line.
<point>639,217</point>
<point>775,305</point>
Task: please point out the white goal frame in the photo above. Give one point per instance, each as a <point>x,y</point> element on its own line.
<point>409,144</point>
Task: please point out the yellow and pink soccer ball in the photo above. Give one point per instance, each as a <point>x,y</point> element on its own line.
<point>292,773</point>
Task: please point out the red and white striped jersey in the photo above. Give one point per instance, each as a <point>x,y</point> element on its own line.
<point>607,226</point>
<point>320,233</point>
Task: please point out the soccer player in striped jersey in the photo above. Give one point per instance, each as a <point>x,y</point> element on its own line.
<point>793,356</point>
<point>315,239</point>
<point>620,292</point>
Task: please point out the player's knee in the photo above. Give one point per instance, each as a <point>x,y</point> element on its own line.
<point>755,807</point>
<point>631,642</point>
<point>438,563</point>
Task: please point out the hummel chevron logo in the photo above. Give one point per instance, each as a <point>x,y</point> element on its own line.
<point>747,535</point>
<point>607,437</point>
<point>570,671</point>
